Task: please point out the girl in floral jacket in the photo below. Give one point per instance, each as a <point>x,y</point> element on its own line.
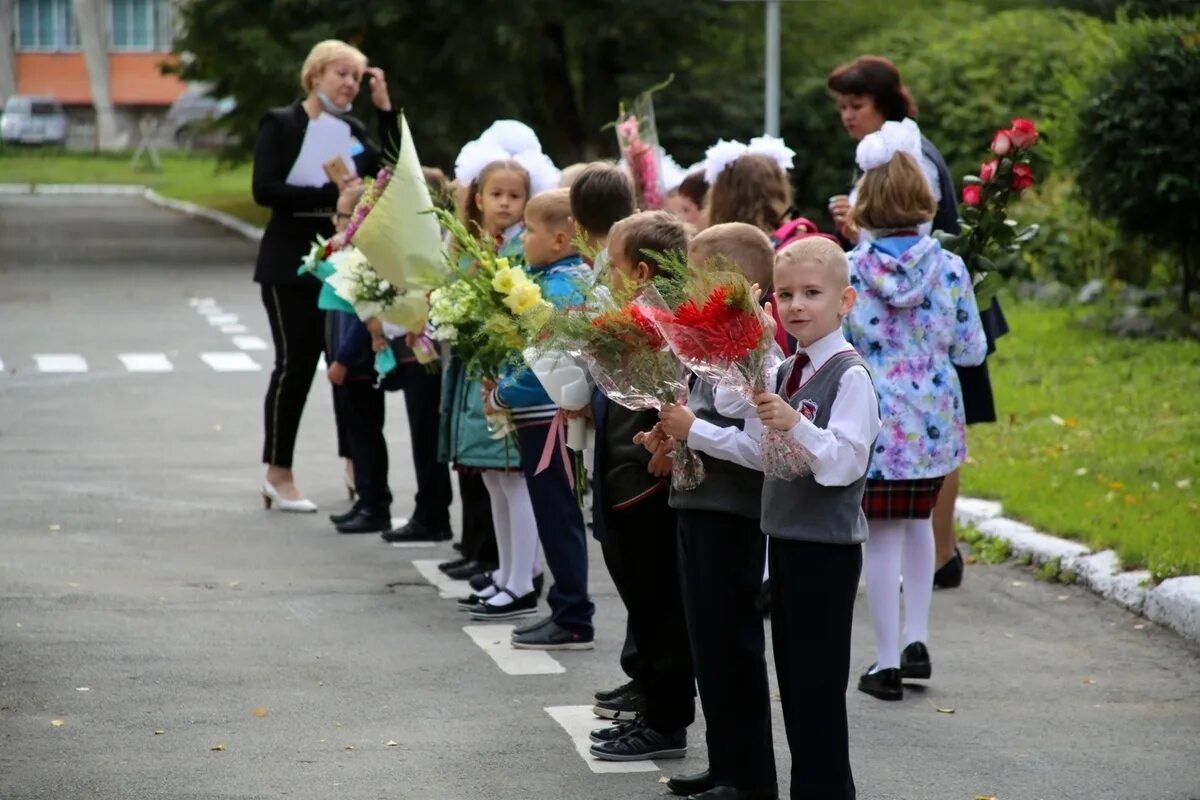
<point>915,319</point>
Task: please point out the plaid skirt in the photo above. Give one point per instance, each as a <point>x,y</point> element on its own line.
<point>913,499</point>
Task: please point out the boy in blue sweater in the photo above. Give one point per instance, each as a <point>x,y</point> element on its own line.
<point>562,275</point>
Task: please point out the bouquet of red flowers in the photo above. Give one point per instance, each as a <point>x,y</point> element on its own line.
<point>988,237</point>
<point>721,334</point>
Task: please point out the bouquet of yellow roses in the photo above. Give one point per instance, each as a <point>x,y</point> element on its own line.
<point>488,310</point>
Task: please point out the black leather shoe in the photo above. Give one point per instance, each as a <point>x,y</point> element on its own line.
<point>611,694</point>
<point>481,581</point>
<point>884,684</point>
<point>458,562</point>
<point>366,522</point>
<point>413,531</point>
<point>950,574</point>
<point>914,662</point>
<point>470,569</point>
<point>730,793</point>
<point>686,785</point>
<point>345,516</point>
<point>551,637</point>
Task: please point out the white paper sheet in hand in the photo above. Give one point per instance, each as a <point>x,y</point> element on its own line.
<point>326,137</point>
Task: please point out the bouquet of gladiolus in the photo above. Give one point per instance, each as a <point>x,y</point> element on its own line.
<point>720,333</point>
<point>628,359</point>
<point>988,237</point>
<point>637,138</point>
<point>487,311</point>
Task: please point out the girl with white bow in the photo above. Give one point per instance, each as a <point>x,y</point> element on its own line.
<point>915,320</point>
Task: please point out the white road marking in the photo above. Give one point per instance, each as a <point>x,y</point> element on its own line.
<point>146,362</point>
<point>217,320</point>
<point>231,362</point>
<point>494,640</point>
<point>579,721</point>
<point>249,343</point>
<point>236,327</point>
<point>321,363</point>
<point>201,302</point>
<point>1,365</point>
<point>60,362</point>
<point>447,587</point>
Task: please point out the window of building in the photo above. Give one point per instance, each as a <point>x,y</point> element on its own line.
<point>46,25</point>
<point>143,25</point>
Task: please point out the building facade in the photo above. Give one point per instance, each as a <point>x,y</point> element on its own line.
<point>100,58</point>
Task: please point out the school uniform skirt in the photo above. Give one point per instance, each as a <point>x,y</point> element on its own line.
<point>913,499</point>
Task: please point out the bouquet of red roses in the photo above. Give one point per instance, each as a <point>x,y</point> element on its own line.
<point>987,236</point>
<point>721,334</point>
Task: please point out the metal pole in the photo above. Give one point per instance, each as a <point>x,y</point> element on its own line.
<point>771,70</point>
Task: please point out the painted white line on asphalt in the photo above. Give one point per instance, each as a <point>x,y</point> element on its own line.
<point>218,320</point>
<point>60,362</point>
<point>236,327</point>
<point>579,721</point>
<point>447,587</point>
<point>231,362</point>
<point>1,365</point>
<point>210,310</point>
<point>249,343</point>
<point>146,362</point>
<point>321,363</point>
<point>495,641</point>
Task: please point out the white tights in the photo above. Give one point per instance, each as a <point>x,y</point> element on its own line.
<point>516,532</point>
<point>895,548</point>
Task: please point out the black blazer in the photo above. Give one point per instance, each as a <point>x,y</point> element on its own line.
<point>300,213</point>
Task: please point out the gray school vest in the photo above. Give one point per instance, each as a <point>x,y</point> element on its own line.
<point>802,508</point>
<point>726,487</point>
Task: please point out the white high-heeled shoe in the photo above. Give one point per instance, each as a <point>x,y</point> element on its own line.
<point>271,496</point>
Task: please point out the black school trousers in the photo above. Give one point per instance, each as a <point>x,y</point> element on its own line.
<point>364,407</point>
<point>721,563</point>
<point>298,332</point>
<point>813,587</point>
<point>642,553</point>
<point>422,396</point>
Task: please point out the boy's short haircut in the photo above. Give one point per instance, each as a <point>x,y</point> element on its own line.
<point>824,251</point>
<point>601,195</point>
<point>551,208</point>
<point>741,245</point>
<point>569,174</point>
<point>894,196</point>
<point>656,231</point>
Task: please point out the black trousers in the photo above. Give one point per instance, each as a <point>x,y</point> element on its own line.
<point>364,407</point>
<point>339,411</point>
<point>812,607</point>
<point>298,331</point>
<point>560,528</point>
<point>642,546</point>
<point>478,533</point>
<point>422,395</point>
<point>721,561</point>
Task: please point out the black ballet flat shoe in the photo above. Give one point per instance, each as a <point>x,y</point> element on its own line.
<point>915,663</point>
<point>884,684</point>
<point>950,574</point>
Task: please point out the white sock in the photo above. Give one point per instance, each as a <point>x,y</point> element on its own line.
<point>917,566</point>
<point>523,536</point>
<point>500,600</point>
<point>881,566</point>
<point>487,591</point>
<point>494,481</point>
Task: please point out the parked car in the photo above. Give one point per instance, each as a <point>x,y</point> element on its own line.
<point>33,119</point>
<point>189,120</point>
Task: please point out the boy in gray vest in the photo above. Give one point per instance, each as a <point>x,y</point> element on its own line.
<point>722,550</point>
<point>824,398</point>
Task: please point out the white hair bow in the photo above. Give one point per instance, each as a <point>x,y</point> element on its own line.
<point>543,175</point>
<point>513,135</point>
<point>725,152</point>
<point>877,149</point>
<point>474,156</point>
<point>672,173</point>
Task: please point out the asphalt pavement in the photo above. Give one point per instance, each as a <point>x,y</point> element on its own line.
<point>163,636</point>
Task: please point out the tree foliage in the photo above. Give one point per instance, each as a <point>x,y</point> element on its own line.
<point>1134,139</point>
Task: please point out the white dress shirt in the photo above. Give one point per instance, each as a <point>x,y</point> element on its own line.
<point>840,452</point>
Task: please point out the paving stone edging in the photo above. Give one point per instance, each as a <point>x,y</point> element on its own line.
<point>229,221</point>
<point>1174,603</point>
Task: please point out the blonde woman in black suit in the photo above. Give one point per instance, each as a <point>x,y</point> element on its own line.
<point>301,209</point>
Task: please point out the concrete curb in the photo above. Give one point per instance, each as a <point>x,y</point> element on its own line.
<point>1174,603</point>
<point>229,221</point>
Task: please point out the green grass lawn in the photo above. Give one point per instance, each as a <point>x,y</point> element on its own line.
<point>1098,439</point>
<point>195,178</point>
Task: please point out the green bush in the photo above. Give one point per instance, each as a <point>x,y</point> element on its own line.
<point>1133,143</point>
<point>970,75</point>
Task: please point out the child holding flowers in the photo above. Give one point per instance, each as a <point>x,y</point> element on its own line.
<point>916,319</point>
<point>557,274</point>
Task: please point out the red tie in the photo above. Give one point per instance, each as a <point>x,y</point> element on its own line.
<point>793,379</point>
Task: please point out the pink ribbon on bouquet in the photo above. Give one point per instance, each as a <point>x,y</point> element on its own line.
<point>558,430</point>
